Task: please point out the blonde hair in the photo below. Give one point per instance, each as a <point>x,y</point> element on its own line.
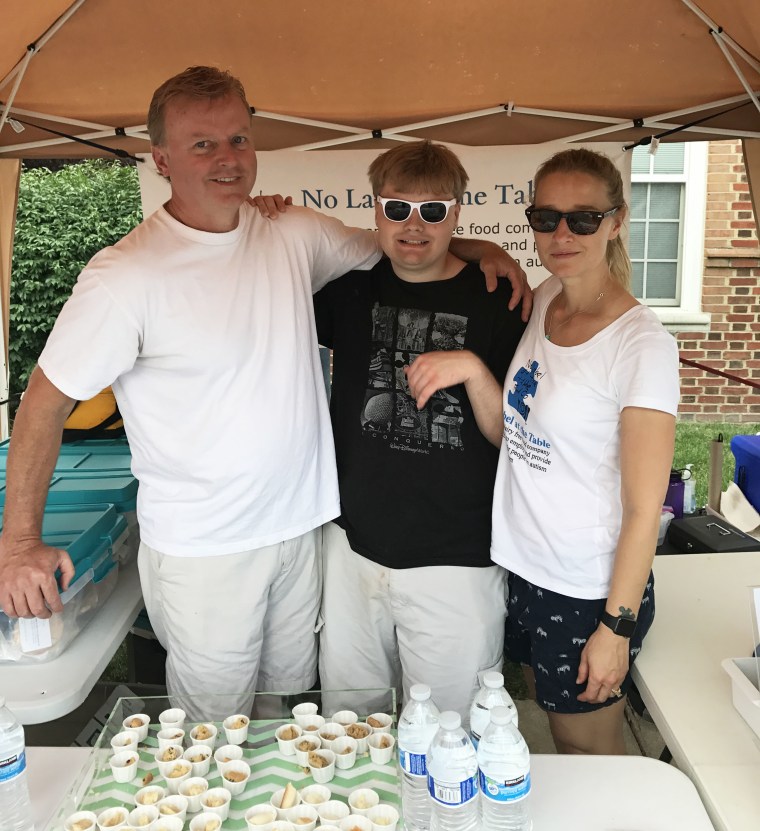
<point>419,165</point>
<point>199,82</point>
<point>580,160</point>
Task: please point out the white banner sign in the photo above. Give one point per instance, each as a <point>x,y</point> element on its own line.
<point>335,181</point>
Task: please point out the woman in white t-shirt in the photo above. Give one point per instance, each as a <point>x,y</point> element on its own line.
<point>586,428</point>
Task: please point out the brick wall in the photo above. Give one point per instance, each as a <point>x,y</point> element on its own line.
<point>731,294</point>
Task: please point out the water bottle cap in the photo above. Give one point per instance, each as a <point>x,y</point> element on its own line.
<point>450,720</point>
<point>420,692</point>
<point>493,680</point>
<point>500,715</point>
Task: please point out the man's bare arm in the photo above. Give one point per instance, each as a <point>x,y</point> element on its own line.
<point>27,567</point>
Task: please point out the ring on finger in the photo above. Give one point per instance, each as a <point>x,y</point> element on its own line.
<point>617,692</point>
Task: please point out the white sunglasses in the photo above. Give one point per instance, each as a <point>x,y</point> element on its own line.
<point>399,210</point>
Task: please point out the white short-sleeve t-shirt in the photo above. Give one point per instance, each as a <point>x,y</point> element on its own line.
<point>557,510</point>
<point>210,344</point>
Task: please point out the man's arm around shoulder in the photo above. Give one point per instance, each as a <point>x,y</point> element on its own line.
<point>27,567</point>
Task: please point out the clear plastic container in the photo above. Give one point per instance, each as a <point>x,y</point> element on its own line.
<point>452,777</point>
<point>417,726</point>
<point>15,807</point>
<point>492,693</point>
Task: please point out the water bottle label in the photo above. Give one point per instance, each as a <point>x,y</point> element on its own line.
<point>453,794</point>
<point>509,790</point>
<point>412,763</point>
<point>12,766</point>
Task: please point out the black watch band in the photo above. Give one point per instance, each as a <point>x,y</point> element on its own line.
<point>623,626</point>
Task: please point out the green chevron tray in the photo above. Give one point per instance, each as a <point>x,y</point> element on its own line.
<point>96,788</point>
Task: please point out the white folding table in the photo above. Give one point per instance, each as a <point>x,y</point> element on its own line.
<point>574,793</point>
<point>703,616</point>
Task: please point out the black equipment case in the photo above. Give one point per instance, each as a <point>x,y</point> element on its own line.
<point>708,534</point>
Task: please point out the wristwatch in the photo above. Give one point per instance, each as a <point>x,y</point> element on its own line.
<point>623,626</point>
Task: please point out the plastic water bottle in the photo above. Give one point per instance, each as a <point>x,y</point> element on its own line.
<point>504,779</point>
<point>15,808</point>
<point>491,694</point>
<point>417,725</point>
<point>452,768</point>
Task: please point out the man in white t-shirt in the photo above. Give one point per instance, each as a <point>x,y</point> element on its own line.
<point>201,319</point>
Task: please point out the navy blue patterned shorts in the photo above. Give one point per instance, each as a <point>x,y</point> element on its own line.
<point>547,631</point>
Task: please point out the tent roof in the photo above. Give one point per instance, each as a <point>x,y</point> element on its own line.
<point>379,65</point>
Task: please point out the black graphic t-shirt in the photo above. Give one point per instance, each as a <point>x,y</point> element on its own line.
<point>416,485</point>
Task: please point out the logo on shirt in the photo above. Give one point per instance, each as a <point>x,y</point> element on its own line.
<point>525,384</point>
<point>399,336</point>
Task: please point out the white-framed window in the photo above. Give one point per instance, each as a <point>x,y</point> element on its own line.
<point>667,229</point>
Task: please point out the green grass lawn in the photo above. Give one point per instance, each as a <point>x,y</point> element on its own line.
<point>693,447</point>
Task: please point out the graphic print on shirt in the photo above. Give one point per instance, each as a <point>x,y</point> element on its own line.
<point>399,336</point>
<point>522,444</point>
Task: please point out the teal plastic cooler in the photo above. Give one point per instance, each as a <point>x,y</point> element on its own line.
<point>92,536</point>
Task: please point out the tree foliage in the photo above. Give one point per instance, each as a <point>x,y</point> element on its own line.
<point>63,219</point>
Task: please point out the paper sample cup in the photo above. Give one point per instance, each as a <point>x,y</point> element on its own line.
<point>315,795</point>
<point>170,736</point>
<point>168,824</point>
<point>329,732</point>
<point>206,821</point>
<point>303,817</point>
<point>345,749</point>
<point>282,825</point>
<point>81,821</point>
<point>303,712</point>
<point>193,788</point>
<point>355,822</point>
<point>383,818</point>
<point>261,816</point>
<point>217,801</point>
<point>312,725</point>
<point>126,740</point>
<point>199,756</point>
<point>172,718</point>
<point>173,805</point>
<point>381,748</point>
<point>362,799</point>
<point>124,766</point>
<point>176,775</point>
<point>302,754</point>
<point>333,811</point>
<point>345,717</point>
<point>324,770</point>
<point>144,816</point>
<point>139,722</point>
<point>235,775</point>
<point>236,728</point>
<point>360,731</point>
<point>167,757</point>
<point>227,753</point>
<point>112,818</point>
<point>276,802</point>
<point>287,735</point>
<point>380,722</point>
<point>150,795</point>
<point>204,734</point>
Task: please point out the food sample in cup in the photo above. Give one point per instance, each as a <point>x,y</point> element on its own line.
<point>355,823</point>
<point>178,770</point>
<point>236,728</point>
<point>143,815</point>
<point>362,799</point>
<point>381,747</point>
<point>112,817</point>
<point>235,776</point>
<point>358,731</point>
<point>126,740</point>
<point>315,794</point>
<point>216,797</point>
<point>345,717</point>
<point>227,753</point>
<point>380,722</point>
<point>288,733</point>
<point>385,816</point>
<point>175,805</point>
<point>138,722</point>
<point>258,815</point>
<point>312,724</point>
<point>124,766</point>
<point>302,816</point>
<point>81,821</point>
<point>150,795</point>
<point>206,821</point>
<point>174,717</point>
<point>322,765</point>
<point>289,798</point>
<point>171,753</point>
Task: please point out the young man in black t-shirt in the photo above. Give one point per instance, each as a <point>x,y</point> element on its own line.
<point>410,593</point>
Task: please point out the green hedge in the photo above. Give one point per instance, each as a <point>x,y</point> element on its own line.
<point>63,219</point>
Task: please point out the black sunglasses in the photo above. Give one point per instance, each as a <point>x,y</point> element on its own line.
<point>546,220</point>
<point>399,210</point>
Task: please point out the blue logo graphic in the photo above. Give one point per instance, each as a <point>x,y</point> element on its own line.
<point>526,384</point>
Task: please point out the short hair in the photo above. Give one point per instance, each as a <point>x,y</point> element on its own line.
<point>581,160</point>
<point>199,82</point>
<point>419,165</point>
